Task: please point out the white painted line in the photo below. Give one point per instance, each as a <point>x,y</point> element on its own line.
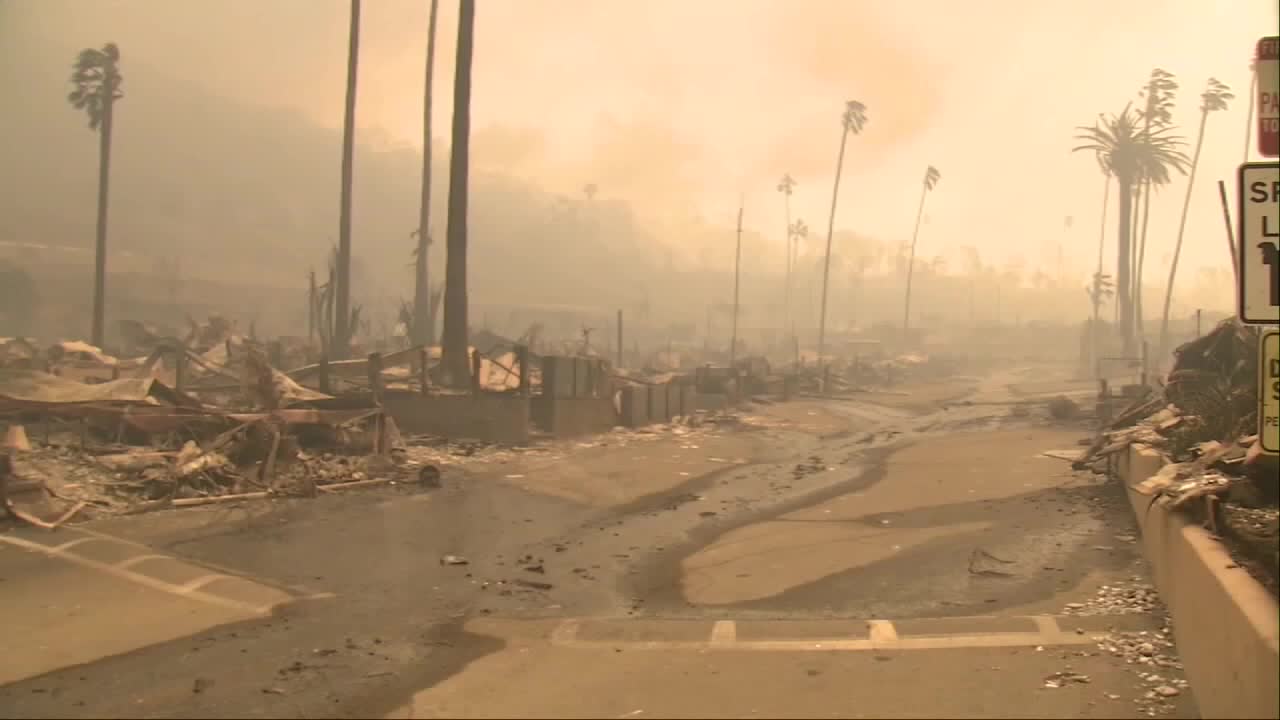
<point>68,545</point>
<point>193,585</point>
<point>724,633</point>
<point>566,633</point>
<point>136,559</point>
<point>132,576</point>
<point>1046,624</point>
<point>882,632</point>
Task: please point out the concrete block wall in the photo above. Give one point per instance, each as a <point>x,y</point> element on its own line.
<point>658,404</point>
<point>635,406</point>
<point>492,417</point>
<point>567,417</point>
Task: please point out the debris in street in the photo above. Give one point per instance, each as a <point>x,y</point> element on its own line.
<point>1121,598</point>
<point>1065,677</point>
<point>454,560</point>
<point>982,562</point>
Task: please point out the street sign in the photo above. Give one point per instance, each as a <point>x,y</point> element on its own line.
<point>1268,100</point>
<point>1259,244</point>
<point>1269,391</point>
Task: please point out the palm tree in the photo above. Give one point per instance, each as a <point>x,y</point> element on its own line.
<point>785,186</point>
<point>97,79</point>
<point>423,330</point>
<point>1129,153</point>
<point>852,121</point>
<point>343,330</point>
<point>1159,95</point>
<point>454,342</point>
<point>1214,98</point>
<point>931,176</point>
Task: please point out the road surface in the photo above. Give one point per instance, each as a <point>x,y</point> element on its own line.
<point>876,557</point>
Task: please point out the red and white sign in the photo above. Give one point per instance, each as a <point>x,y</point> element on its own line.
<point>1268,100</point>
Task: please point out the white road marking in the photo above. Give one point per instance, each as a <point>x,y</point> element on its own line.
<point>193,585</point>
<point>68,545</point>
<point>883,636</point>
<point>724,632</point>
<point>139,578</point>
<point>126,564</point>
<point>882,631</point>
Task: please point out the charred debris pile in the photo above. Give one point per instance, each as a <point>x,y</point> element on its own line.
<point>1203,420</point>
<point>91,433</point>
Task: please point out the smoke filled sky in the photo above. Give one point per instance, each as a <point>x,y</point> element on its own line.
<point>683,106</point>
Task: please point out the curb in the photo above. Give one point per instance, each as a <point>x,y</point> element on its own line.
<point>1227,626</point>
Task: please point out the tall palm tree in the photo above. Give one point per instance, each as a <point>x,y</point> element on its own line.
<point>931,176</point>
<point>96,78</point>
<point>1129,153</point>
<point>424,330</point>
<point>785,186</point>
<point>343,330</point>
<point>1215,97</point>
<point>454,342</point>
<point>1158,94</point>
<point>851,122</point>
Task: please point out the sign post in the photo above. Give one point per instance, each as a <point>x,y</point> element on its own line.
<point>1268,100</point>
<point>1269,391</point>
<point>1259,244</point>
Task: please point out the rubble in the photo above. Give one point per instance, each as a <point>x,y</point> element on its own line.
<point>1203,420</point>
<point>1121,598</point>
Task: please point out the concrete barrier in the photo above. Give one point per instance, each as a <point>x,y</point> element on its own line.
<point>1227,626</point>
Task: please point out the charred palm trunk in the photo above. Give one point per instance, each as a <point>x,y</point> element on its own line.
<point>1124,280</point>
<point>100,241</point>
<point>343,332</point>
<point>826,260</point>
<point>454,346</point>
<point>424,329</point>
<point>911,263</point>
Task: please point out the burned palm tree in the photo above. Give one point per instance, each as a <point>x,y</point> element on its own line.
<point>931,176</point>
<point>1128,153</point>
<point>342,287</point>
<point>423,330</point>
<point>1215,98</point>
<point>852,121</point>
<point>96,80</point>
<point>1157,111</point>
<point>454,340</point>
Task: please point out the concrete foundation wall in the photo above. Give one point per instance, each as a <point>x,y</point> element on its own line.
<point>492,417</point>
<point>658,404</point>
<point>635,406</point>
<point>566,417</point>
<point>1227,626</point>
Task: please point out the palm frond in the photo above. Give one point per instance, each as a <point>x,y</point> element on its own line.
<point>931,177</point>
<point>855,116</point>
<point>1216,96</point>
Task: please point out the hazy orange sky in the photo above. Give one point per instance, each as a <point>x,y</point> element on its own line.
<point>681,106</point>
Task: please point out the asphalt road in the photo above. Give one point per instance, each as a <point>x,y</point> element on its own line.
<point>724,572</point>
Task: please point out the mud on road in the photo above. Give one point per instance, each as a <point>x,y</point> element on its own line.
<point>836,509</point>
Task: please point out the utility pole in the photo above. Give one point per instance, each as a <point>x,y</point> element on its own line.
<point>737,265</point>
<point>619,338</point>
